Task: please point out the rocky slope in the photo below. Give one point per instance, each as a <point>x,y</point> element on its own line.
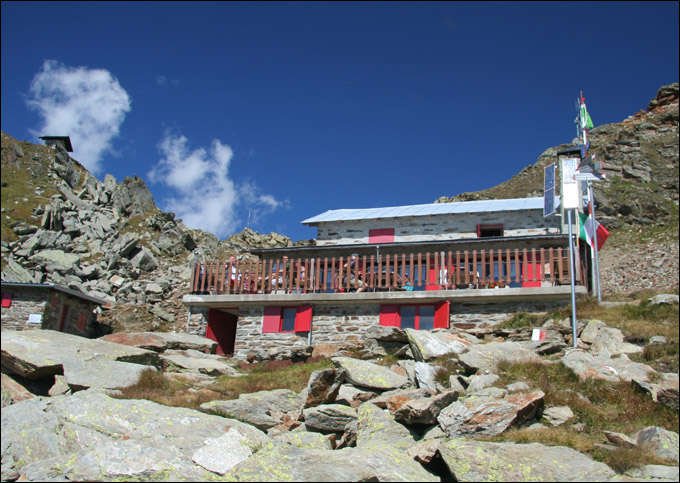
<point>62,225</point>
<point>639,201</point>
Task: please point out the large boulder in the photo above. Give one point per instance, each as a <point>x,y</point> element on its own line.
<point>481,461</point>
<point>662,442</point>
<point>323,386</point>
<point>162,341</point>
<point>489,412</point>
<point>257,408</point>
<point>485,357</point>
<point>92,437</point>
<point>329,417</point>
<point>427,345</point>
<point>601,366</point>
<point>39,353</point>
<point>424,410</point>
<point>375,424</point>
<point>369,375</point>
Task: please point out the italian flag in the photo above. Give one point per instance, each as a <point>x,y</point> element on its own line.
<point>587,230</point>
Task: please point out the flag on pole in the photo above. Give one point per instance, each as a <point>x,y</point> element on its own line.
<point>586,121</point>
<point>587,230</point>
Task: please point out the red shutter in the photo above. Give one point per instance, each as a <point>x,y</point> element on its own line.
<point>272,320</point>
<point>82,322</point>
<point>303,319</point>
<point>381,235</point>
<point>6,299</point>
<point>441,315</point>
<point>389,315</point>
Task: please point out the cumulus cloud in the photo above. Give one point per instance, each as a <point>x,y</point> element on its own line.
<point>89,105</point>
<point>204,195</point>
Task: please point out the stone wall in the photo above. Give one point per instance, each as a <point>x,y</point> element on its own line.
<point>341,324</point>
<point>439,227</point>
<point>23,303</point>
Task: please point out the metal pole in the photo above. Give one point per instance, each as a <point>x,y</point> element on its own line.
<point>573,290</point>
<point>595,247</point>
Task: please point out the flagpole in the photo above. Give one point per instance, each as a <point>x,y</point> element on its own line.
<point>595,245</point>
<point>573,291</point>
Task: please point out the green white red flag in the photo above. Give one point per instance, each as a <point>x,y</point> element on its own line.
<point>588,229</point>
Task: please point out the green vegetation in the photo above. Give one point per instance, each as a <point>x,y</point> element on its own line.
<point>156,386</point>
<point>597,405</point>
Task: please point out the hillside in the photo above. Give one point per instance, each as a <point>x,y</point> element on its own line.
<point>638,203</point>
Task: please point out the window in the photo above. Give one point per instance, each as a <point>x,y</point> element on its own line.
<point>287,319</point>
<point>381,235</point>
<point>489,230</point>
<point>6,299</point>
<point>417,317</point>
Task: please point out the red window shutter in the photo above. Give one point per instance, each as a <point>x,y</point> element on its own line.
<point>389,315</point>
<point>381,235</point>
<point>82,322</point>
<point>441,315</point>
<point>303,319</point>
<point>6,299</point>
<point>272,320</point>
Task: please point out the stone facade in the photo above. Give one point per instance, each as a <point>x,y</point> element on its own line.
<point>343,324</point>
<point>439,227</point>
<point>42,307</point>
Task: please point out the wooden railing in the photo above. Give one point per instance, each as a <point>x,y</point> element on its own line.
<point>412,271</point>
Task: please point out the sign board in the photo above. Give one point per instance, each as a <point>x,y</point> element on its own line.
<point>590,176</point>
<point>570,191</point>
<point>549,190</point>
<point>35,318</point>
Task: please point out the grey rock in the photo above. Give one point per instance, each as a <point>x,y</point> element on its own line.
<point>485,357</point>
<point>669,299</point>
<point>144,260</point>
<point>558,415</point>
<point>323,386</point>
<point>256,408</point>
<point>329,417</point>
<point>425,376</point>
<point>220,454</point>
<point>481,461</point>
<point>425,410</point>
<point>654,473</point>
<point>378,425</point>
<point>489,412</point>
<point>478,382</point>
<point>369,375</point>
<point>428,345</point>
<point>586,365</point>
<point>662,442</point>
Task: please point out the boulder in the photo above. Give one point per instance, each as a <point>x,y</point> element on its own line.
<point>477,382</point>
<point>664,390</point>
<point>425,376</point>
<point>489,412</point>
<point>607,341</point>
<point>220,454</point>
<point>375,424</point>
<point>586,365</point>
<point>424,410</point>
<point>329,417</point>
<point>660,441</point>
<point>92,437</point>
<point>305,439</point>
<point>485,357</point>
<point>39,353</point>
<point>13,392</point>
<point>323,386</point>
<point>202,365</point>
<point>57,260</point>
<point>427,345</point>
<point>469,460</point>
<point>558,415</point>
<point>369,375</point>
<point>256,408</point>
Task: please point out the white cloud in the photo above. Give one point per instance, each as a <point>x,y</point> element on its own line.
<point>89,105</point>
<point>206,197</point>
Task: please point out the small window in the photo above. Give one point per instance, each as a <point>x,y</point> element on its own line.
<point>484,231</point>
<point>6,299</point>
<point>287,319</point>
<point>417,317</point>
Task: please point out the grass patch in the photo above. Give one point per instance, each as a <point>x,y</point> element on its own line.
<point>597,406</point>
<point>522,320</point>
<point>264,378</point>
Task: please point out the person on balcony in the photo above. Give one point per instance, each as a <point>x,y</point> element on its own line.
<point>356,283</point>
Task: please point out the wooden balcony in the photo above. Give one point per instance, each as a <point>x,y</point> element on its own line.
<point>405,272</point>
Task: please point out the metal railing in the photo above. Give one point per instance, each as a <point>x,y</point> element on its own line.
<point>407,271</point>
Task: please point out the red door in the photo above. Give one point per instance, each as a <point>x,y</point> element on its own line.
<point>222,329</point>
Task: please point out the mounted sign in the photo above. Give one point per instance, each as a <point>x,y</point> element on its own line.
<point>590,177</point>
<point>570,191</point>
<point>549,190</point>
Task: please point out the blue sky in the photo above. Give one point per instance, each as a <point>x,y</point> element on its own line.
<point>264,114</point>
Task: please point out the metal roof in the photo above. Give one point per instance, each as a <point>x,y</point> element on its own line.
<point>75,293</point>
<point>482,206</point>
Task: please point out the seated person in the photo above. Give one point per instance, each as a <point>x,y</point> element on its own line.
<point>355,283</point>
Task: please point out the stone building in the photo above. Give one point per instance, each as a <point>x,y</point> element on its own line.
<point>28,306</point>
<point>434,266</point>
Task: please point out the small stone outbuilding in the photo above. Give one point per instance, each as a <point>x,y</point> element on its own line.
<point>28,306</point>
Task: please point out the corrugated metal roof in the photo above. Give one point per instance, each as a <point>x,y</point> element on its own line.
<point>483,206</point>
